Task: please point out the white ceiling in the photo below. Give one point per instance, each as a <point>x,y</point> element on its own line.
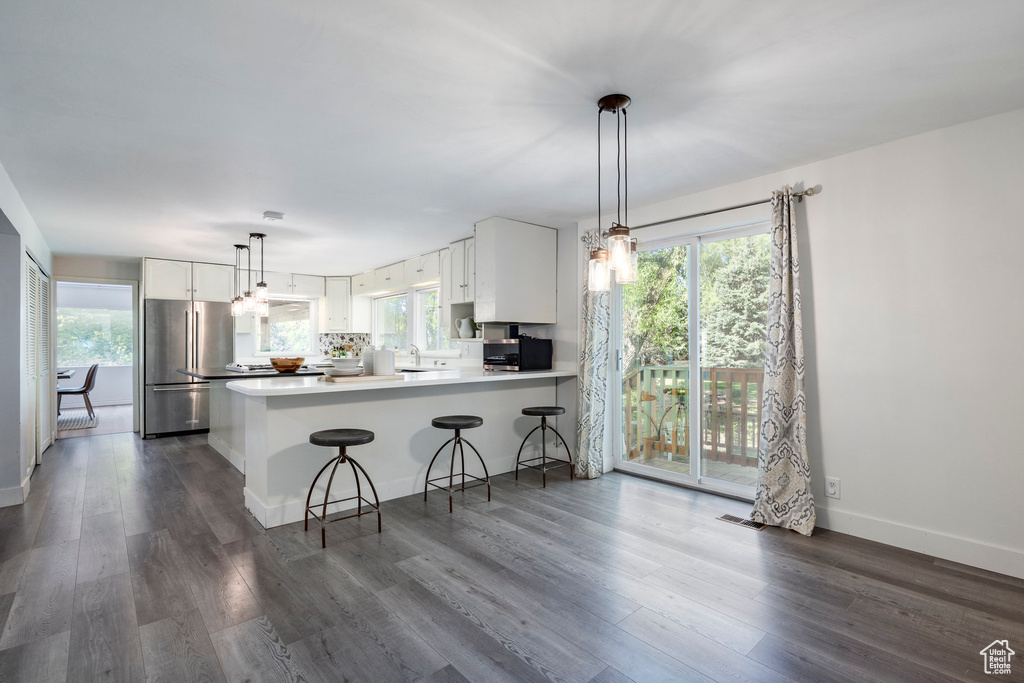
<point>384,129</point>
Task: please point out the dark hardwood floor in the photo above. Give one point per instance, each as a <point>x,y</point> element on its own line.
<point>136,560</point>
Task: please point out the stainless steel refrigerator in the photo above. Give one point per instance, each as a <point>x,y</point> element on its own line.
<point>183,334</point>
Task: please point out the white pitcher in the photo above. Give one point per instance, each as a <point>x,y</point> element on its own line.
<point>465,327</point>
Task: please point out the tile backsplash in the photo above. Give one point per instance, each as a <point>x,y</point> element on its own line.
<point>330,341</point>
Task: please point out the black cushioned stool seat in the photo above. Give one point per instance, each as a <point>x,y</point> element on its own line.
<point>458,423</point>
<point>341,439</point>
<point>544,411</point>
<point>546,463</point>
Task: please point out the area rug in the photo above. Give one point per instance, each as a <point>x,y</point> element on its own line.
<point>76,419</point>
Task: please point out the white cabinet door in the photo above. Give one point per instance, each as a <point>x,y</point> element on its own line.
<point>381,280</point>
<point>245,323</point>
<point>430,266</point>
<point>446,287</point>
<point>470,270</point>
<point>423,270</point>
<point>338,291</point>
<point>211,282</point>
<point>396,276</point>
<point>389,278</point>
<point>168,279</point>
<point>363,283</point>
<point>458,280</point>
<point>307,285</point>
<point>277,283</point>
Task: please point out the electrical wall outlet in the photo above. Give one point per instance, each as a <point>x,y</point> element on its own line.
<point>832,487</point>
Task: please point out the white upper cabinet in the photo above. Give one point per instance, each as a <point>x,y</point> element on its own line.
<point>515,272</point>
<point>389,278</point>
<point>212,282</point>
<point>461,286</point>
<point>423,270</point>
<point>338,305</point>
<point>307,285</point>
<point>168,279</point>
<point>287,284</point>
<point>363,284</point>
<point>277,283</point>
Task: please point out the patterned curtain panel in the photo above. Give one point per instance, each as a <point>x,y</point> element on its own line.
<point>593,376</point>
<point>783,497</point>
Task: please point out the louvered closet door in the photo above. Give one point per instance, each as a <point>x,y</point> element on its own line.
<point>31,355</point>
<point>45,384</point>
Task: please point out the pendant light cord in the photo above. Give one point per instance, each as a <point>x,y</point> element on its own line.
<point>249,279</point>
<point>618,170</point>
<point>599,111</point>
<point>625,163</point>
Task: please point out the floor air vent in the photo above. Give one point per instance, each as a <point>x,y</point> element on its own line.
<point>749,523</point>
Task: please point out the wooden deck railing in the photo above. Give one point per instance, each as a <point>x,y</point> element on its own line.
<point>656,400</point>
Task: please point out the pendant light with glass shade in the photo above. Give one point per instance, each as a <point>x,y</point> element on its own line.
<point>238,303</point>
<point>617,256</point>
<point>628,276</point>
<point>262,291</point>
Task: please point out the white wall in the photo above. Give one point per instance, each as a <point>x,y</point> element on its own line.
<point>19,236</point>
<point>912,276</point>
<point>98,267</point>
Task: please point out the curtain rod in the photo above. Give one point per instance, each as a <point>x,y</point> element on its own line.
<point>809,192</point>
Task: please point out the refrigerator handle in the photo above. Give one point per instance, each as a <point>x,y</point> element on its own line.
<point>198,340</point>
<point>188,342</point>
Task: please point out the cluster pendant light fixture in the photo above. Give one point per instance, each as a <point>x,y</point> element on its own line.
<point>262,302</point>
<point>238,303</point>
<point>620,256</point>
<point>250,301</point>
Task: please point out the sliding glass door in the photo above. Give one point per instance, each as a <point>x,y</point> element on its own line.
<point>691,403</point>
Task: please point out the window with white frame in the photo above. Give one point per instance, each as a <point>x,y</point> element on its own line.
<point>431,335</point>
<point>289,329</point>
<point>412,318</point>
<point>391,322</point>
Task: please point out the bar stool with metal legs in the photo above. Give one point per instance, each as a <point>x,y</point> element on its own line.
<point>342,439</point>
<point>458,423</point>
<point>544,412</point>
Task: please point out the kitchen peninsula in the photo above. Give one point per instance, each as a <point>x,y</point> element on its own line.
<point>272,418</point>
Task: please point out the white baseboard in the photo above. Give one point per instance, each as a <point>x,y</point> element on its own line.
<point>278,515</point>
<point>15,495</point>
<point>230,454</point>
<point>947,546</point>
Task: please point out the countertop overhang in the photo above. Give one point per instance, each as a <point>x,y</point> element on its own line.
<point>221,373</point>
<point>292,385</point>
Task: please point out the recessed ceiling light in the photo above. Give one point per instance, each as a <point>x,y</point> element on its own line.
<point>273,216</point>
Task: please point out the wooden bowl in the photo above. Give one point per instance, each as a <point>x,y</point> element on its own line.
<point>286,365</point>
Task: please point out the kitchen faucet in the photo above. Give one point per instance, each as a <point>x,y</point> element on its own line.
<point>415,351</point>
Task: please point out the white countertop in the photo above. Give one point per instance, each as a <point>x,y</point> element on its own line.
<point>294,385</point>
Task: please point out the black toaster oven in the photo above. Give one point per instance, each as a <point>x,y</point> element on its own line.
<point>523,353</point>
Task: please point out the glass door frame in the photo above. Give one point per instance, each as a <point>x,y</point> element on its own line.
<point>695,478</point>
